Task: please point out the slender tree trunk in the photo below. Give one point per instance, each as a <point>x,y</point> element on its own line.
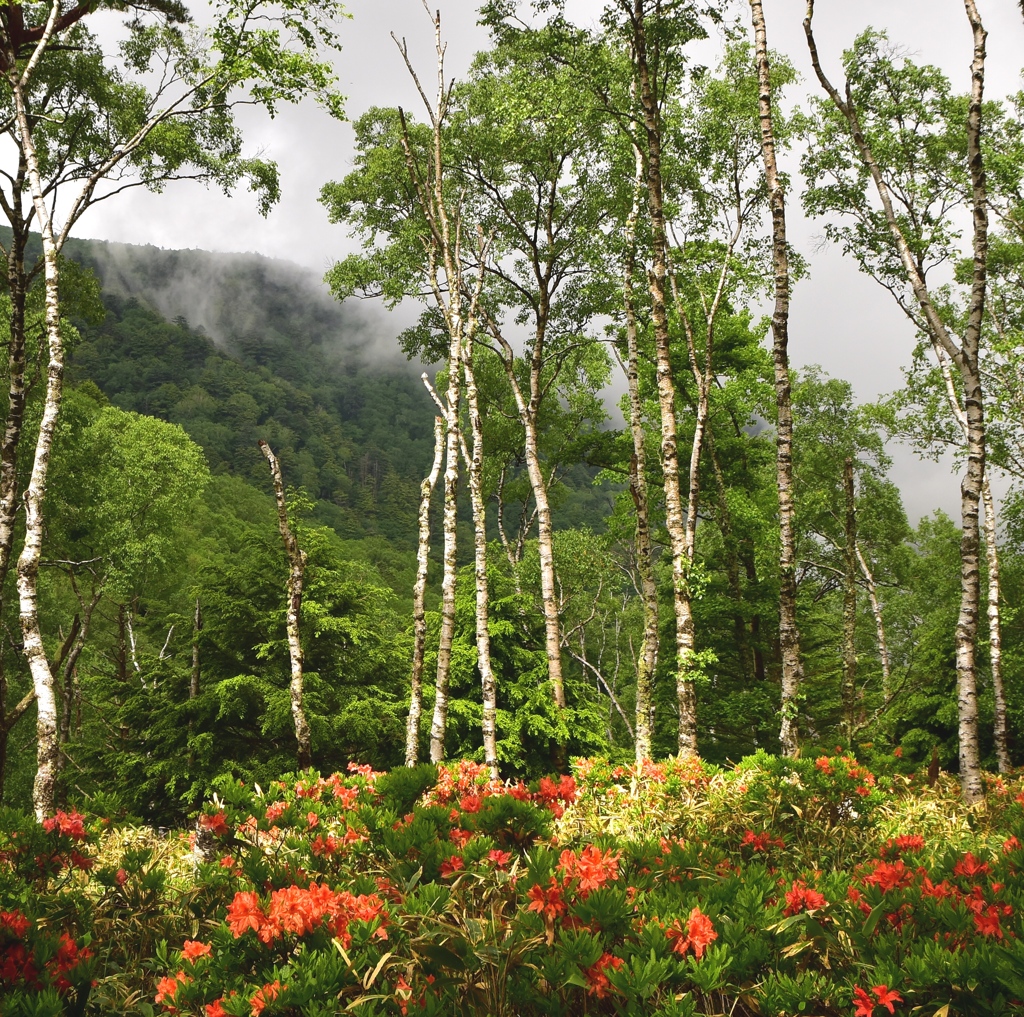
<point>48,745</point>
<point>445,254</point>
<point>197,628</point>
<point>789,633</point>
<point>849,696</point>
<point>876,610</point>
<point>974,410</point>
<point>419,616</point>
<point>674,521</point>
<point>475,467</point>
<point>995,638</point>
<point>546,552</point>
<point>991,528</point>
<point>64,731</point>
<point>17,290</point>
<point>439,721</point>
<point>296,576</point>
<point>965,356</point>
<point>647,662</point>
<point>528,413</point>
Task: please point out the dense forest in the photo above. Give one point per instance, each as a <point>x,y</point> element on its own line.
<point>720,564</point>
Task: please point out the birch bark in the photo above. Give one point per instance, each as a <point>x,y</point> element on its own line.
<point>419,619</point>
<point>991,529</point>
<point>849,690</point>
<point>445,278</point>
<point>17,289</point>
<point>789,632</point>
<point>47,741</point>
<point>475,468</point>
<point>674,519</point>
<point>876,610</point>
<point>965,357</point>
<point>647,659</point>
<point>296,577</point>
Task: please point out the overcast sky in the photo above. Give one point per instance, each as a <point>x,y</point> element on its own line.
<point>840,319</point>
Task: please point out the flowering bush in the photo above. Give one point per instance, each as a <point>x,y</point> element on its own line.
<point>321,896</point>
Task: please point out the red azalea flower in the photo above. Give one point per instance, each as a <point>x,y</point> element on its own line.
<point>987,923</point>
<point>499,859</point>
<point>167,988</point>
<point>889,876</point>
<point>14,921</point>
<point>701,932</point>
<point>244,913</point>
<point>471,803</point>
<point>597,981</point>
<point>217,823</point>
<point>547,902</point>
<point>263,995</point>
<point>802,898</point>
<point>451,865</point>
<point>910,842</point>
<point>886,997</point>
<point>71,824</point>
<point>676,935</point>
<point>194,949</point>
<point>863,1003</point>
<point>970,867</point>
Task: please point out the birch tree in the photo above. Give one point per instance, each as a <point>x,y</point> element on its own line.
<point>419,617</point>
<point>293,610</point>
<point>896,135</point>
<point>525,144</point>
<point>789,632</point>
<point>59,88</point>
<point>654,44</point>
<point>421,204</point>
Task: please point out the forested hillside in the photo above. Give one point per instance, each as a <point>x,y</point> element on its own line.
<point>268,355</point>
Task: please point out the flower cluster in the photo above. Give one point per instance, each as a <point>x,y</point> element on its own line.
<point>33,958</point>
<point>298,912</point>
<point>698,934</point>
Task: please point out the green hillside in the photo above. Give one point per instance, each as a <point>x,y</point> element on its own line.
<point>268,354</point>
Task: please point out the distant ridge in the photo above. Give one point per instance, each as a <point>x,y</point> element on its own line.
<point>242,299</point>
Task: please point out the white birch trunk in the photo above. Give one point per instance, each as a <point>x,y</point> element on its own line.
<point>296,575</point>
<point>965,356</point>
<point>995,637</point>
<point>849,687</point>
<point>439,720</point>
<point>419,619</point>
<point>48,746</point>
<point>475,466</point>
<point>674,518</point>
<point>991,529</point>
<point>647,662</point>
<point>876,611</point>
<point>789,632</point>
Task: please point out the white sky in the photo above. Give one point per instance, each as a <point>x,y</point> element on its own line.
<point>840,319</point>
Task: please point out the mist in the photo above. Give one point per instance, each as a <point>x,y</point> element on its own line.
<point>250,298</point>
